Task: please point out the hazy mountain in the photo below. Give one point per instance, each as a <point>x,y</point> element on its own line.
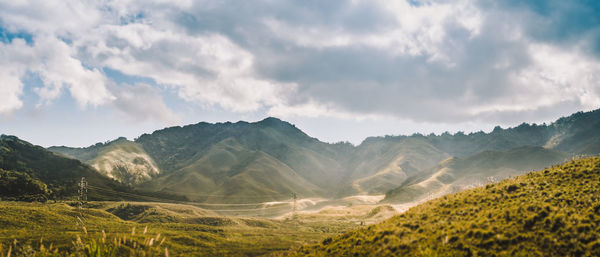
<point>501,153</point>
<point>380,164</point>
<point>121,159</point>
<point>271,159</point>
<point>456,174</point>
<point>574,134</point>
<point>266,160</point>
<point>554,212</point>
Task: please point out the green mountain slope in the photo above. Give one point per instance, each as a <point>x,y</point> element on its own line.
<point>554,212</point>
<point>570,134</point>
<point>230,172</point>
<point>455,174</point>
<point>29,172</point>
<point>271,158</point>
<point>381,164</point>
<point>395,163</point>
<point>242,162</point>
<point>121,159</point>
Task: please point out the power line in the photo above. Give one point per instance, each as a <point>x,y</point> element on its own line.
<point>175,201</point>
<point>120,193</point>
<point>228,196</point>
<point>189,203</point>
<point>243,209</point>
<point>294,209</point>
<point>82,190</point>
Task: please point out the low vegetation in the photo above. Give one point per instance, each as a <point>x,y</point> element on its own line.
<point>147,229</point>
<point>553,212</point>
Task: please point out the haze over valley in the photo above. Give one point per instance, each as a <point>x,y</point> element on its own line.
<point>271,159</point>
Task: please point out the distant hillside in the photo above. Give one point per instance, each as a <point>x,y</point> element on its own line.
<point>553,212</point>
<point>29,172</point>
<point>271,159</point>
<point>499,154</point>
<point>572,134</point>
<point>121,159</point>
<point>242,162</point>
<point>455,174</point>
<point>380,164</point>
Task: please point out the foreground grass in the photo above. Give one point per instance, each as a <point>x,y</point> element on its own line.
<point>554,212</point>
<point>53,229</point>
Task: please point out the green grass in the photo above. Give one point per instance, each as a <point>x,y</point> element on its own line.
<point>553,212</point>
<point>187,230</point>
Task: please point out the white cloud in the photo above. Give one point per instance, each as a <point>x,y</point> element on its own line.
<point>207,68</point>
<point>10,90</point>
<point>416,30</point>
<point>451,60</point>
<point>64,18</point>
<point>560,74</point>
<point>51,59</point>
<point>142,102</point>
<point>58,68</point>
<point>11,71</point>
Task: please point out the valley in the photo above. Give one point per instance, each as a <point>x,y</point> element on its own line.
<point>267,188</point>
<point>426,128</point>
<point>186,229</point>
<point>270,160</point>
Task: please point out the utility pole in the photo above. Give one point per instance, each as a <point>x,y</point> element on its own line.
<point>82,198</point>
<point>294,210</point>
<point>82,192</point>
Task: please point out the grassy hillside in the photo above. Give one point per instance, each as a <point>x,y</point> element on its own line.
<point>455,174</point>
<point>242,162</point>
<point>553,212</point>
<point>186,230</point>
<point>121,159</point>
<point>29,173</point>
<point>381,164</point>
<point>570,134</point>
<point>270,159</point>
<point>230,172</point>
<point>58,174</point>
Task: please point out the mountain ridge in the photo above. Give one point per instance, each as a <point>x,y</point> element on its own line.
<point>56,177</point>
<point>376,166</point>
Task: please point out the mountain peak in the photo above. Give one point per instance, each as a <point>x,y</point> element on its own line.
<point>272,121</point>
<point>4,137</point>
<point>276,123</point>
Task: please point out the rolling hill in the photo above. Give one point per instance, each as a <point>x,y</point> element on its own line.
<point>553,212</point>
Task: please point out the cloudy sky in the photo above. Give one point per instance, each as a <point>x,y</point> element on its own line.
<point>79,72</point>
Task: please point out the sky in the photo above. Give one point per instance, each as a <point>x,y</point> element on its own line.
<point>79,72</point>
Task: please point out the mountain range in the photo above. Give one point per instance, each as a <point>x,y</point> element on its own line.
<point>32,173</point>
<point>272,159</point>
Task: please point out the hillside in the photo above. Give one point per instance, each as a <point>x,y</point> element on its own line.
<point>30,172</point>
<point>271,159</point>
<point>553,212</point>
<point>230,172</point>
<point>456,174</point>
<point>381,164</point>
<point>242,162</point>
<point>121,159</point>
<point>185,230</point>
